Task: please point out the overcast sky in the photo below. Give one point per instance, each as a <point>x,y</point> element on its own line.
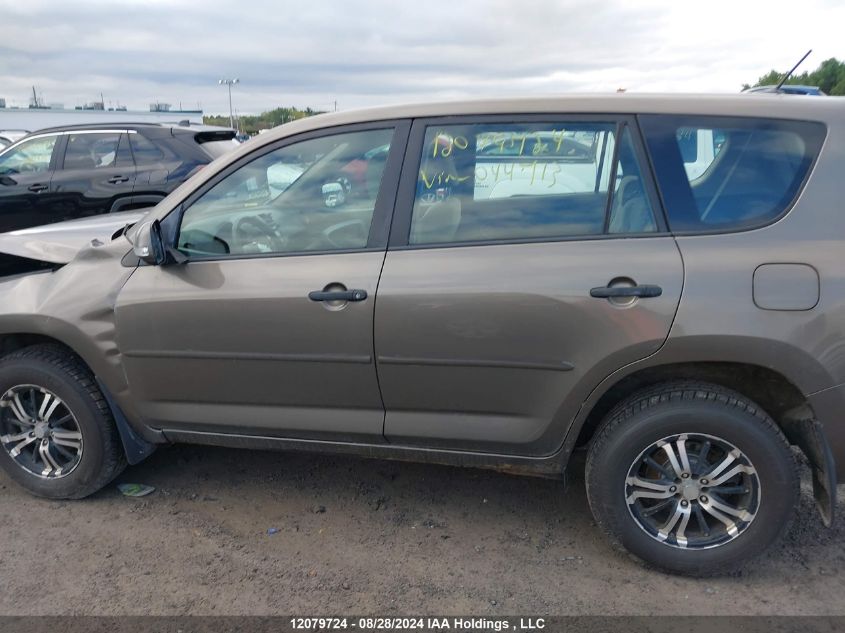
<point>311,53</point>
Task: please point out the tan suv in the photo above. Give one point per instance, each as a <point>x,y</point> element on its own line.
<point>657,279</point>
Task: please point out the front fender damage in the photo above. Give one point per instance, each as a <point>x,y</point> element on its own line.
<point>74,304</point>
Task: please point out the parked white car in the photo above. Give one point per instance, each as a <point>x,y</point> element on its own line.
<point>7,137</point>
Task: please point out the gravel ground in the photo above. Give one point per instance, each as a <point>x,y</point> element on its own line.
<point>365,537</point>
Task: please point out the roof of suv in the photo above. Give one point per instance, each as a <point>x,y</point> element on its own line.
<point>768,105</point>
<point>216,141</point>
<point>176,127</point>
<point>97,126</point>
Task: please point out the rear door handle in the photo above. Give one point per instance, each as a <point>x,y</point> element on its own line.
<point>38,188</point>
<point>609,292</point>
<point>337,295</point>
<point>116,179</point>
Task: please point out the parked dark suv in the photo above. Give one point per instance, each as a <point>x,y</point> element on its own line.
<point>657,280</point>
<point>70,172</point>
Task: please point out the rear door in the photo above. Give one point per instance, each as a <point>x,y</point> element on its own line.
<point>96,175</point>
<point>25,175</point>
<point>528,261</point>
<point>161,163</point>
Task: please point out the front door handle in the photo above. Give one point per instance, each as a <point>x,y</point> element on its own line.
<point>610,292</point>
<point>337,295</point>
<point>117,179</point>
<point>38,188</point>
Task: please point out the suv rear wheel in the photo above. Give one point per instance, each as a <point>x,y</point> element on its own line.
<point>57,435</point>
<point>692,478</point>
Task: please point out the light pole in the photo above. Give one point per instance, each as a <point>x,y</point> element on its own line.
<point>229,83</point>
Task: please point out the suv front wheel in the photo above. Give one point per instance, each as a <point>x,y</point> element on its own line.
<point>57,435</point>
<point>692,478</point>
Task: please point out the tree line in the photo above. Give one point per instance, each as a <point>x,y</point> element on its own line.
<point>251,124</point>
<point>829,76</point>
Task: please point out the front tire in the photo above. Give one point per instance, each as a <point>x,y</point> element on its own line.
<point>692,478</point>
<point>57,435</point>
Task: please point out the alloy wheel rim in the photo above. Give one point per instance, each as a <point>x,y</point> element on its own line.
<point>692,491</point>
<point>39,432</point>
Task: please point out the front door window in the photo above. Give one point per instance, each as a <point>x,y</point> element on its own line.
<point>314,195</point>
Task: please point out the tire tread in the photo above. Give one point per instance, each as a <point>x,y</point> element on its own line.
<point>69,364</point>
<point>684,391</point>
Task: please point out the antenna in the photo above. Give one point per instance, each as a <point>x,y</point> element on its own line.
<point>789,74</point>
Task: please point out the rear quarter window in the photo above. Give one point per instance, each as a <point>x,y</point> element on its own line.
<point>145,151</point>
<point>724,173</point>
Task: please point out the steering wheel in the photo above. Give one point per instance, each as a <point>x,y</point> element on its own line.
<point>251,234</point>
<point>355,232</point>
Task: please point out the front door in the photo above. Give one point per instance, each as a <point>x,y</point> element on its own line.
<point>527,263</point>
<point>25,174</point>
<point>268,328</point>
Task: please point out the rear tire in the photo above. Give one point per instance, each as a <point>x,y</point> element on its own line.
<point>57,435</point>
<point>705,519</point>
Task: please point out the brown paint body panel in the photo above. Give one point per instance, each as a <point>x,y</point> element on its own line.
<point>484,349</point>
<point>501,334</point>
<point>237,345</point>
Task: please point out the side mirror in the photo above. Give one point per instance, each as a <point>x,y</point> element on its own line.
<point>147,244</point>
<point>149,247</point>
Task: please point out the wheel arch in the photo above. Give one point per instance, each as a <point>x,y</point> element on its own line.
<point>137,445</point>
<point>12,342</point>
<point>775,393</point>
<point>99,355</point>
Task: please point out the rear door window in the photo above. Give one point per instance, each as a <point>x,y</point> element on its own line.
<point>517,181</point>
<point>719,173</point>
<point>87,150</point>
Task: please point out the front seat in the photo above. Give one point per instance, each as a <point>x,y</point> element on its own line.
<point>631,212</point>
<point>438,223</point>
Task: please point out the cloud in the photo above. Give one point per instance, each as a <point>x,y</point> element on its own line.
<point>380,51</point>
